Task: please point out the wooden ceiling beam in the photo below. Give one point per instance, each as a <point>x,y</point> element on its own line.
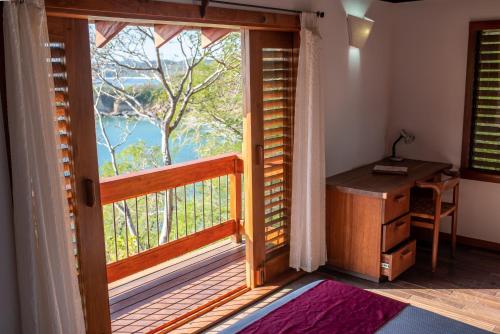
<point>161,12</point>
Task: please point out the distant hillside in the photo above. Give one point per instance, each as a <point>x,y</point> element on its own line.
<point>110,69</point>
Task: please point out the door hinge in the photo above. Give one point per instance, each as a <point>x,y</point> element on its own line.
<point>385,265</point>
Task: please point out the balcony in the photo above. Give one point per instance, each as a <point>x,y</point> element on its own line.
<point>158,278</point>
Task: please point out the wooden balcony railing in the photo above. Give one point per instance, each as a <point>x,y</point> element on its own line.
<point>200,201</point>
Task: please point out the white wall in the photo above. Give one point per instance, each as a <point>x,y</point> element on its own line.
<point>428,87</point>
<point>356,84</point>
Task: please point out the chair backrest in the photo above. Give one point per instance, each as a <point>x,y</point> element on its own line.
<point>440,186</point>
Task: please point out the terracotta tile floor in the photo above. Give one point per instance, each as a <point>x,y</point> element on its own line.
<point>148,299</point>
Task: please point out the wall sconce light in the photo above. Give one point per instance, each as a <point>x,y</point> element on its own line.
<point>359,30</point>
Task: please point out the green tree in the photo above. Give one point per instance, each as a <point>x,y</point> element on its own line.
<point>196,207</point>
<point>181,84</point>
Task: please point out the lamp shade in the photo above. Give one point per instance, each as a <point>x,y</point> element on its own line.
<point>359,30</point>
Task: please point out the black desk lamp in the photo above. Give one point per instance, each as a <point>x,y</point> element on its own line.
<point>408,139</point>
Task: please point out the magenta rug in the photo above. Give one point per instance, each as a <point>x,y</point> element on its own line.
<point>329,307</point>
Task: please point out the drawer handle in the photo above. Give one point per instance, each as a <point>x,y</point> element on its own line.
<point>400,198</point>
<point>406,252</point>
<point>401,223</point>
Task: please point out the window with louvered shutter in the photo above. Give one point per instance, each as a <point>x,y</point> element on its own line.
<point>481,143</point>
<point>278,103</point>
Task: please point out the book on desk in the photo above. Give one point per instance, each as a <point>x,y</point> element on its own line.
<point>390,169</point>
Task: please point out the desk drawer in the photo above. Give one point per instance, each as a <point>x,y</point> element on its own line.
<point>395,263</point>
<point>396,232</point>
<point>396,205</point>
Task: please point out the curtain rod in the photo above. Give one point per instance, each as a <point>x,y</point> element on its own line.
<point>319,14</point>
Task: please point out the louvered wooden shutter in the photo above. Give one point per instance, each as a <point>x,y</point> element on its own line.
<point>58,57</point>
<point>484,151</point>
<point>70,58</point>
<point>278,66</point>
<point>270,71</point>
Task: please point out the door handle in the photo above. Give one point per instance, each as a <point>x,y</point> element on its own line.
<point>400,223</point>
<point>259,152</point>
<point>400,198</point>
<point>406,252</point>
<point>89,188</point>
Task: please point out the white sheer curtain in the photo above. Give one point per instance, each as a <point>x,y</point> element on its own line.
<point>9,309</point>
<point>48,287</point>
<point>307,239</point>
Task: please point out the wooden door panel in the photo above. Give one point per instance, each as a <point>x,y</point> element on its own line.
<point>69,43</point>
<point>270,71</point>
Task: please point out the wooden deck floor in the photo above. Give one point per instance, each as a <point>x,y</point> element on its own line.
<point>148,299</point>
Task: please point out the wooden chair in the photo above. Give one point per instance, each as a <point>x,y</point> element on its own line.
<point>427,211</point>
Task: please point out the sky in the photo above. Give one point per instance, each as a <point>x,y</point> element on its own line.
<point>169,51</point>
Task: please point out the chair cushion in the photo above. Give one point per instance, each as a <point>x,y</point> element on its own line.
<point>425,207</point>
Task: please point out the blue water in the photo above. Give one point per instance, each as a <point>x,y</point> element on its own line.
<point>183,149</point>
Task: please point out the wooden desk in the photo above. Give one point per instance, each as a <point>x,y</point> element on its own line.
<point>367,219</point>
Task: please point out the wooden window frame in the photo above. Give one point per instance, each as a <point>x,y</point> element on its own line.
<point>467,172</point>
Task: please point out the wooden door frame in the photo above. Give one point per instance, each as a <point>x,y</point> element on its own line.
<point>253,144</point>
<point>91,238</point>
